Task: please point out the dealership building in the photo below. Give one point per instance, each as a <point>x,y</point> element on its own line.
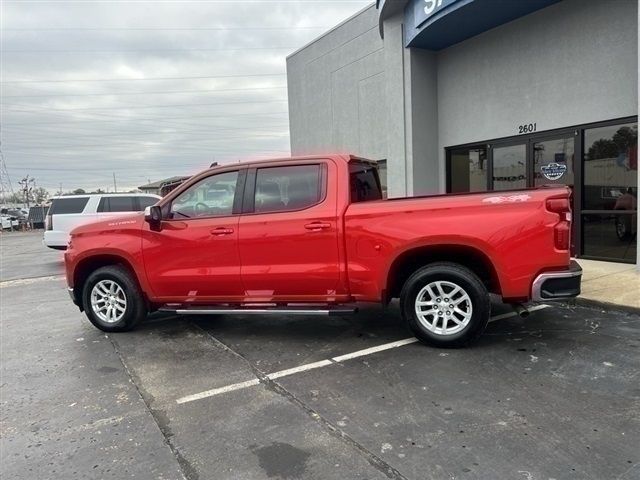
<point>472,95</point>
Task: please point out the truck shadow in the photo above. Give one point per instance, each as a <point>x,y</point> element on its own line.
<point>373,325</point>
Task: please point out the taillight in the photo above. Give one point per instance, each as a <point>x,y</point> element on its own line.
<point>562,230</point>
<point>49,222</point>
<point>562,235</point>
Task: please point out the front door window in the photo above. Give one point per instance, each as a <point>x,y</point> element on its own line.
<point>211,197</point>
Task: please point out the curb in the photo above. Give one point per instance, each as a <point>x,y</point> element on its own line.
<point>588,302</point>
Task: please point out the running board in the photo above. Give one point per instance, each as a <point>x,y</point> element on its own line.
<point>297,310</point>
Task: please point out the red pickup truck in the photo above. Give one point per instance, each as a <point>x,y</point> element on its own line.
<point>314,236</point>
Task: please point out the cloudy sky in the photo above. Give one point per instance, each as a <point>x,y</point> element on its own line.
<point>148,90</point>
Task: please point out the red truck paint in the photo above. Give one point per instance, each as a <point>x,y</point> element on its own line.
<point>333,252</point>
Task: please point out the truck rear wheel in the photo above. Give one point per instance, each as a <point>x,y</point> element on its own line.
<point>112,299</point>
<point>445,305</point>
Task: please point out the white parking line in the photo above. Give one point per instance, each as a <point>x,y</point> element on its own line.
<point>301,368</point>
<point>323,363</point>
<point>29,281</point>
<point>218,391</point>
<point>379,348</point>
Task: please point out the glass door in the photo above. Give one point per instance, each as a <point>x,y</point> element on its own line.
<point>553,164</point>
<point>610,193</point>
<point>553,161</point>
<point>509,166</point>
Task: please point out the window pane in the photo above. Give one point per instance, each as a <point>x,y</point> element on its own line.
<point>67,205</point>
<point>610,235</point>
<point>120,204</point>
<point>553,161</point>
<point>382,175</point>
<point>287,188</point>
<point>103,206</point>
<point>365,185</point>
<point>510,167</point>
<point>611,168</point>
<point>147,202</point>
<point>468,170</point>
<point>210,197</point>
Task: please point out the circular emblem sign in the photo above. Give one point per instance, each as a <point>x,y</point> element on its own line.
<point>553,171</point>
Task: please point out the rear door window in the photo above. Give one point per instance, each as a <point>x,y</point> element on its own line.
<point>364,183</point>
<point>117,204</point>
<point>61,206</point>
<point>287,188</point>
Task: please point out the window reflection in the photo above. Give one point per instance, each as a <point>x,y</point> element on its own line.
<point>610,195</point>
<point>611,168</point>
<point>468,170</point>
<point>510,167</point>
<point>553,161</point>
<point>609,236</point>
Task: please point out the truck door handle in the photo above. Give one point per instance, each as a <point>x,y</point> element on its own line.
<point>221,231</point>
<point>317,226</point>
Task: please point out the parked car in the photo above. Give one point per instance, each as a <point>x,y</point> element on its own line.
<point>312,235</point>
<point>18,215</point>
<point>9,222</point>
<point>68,212</point>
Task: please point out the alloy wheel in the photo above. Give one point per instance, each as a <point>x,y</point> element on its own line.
<point>443,307</point>
<point>108,301</point>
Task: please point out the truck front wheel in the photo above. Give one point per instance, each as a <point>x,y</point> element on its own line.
<point>445,305</point>
<point>112,299</point>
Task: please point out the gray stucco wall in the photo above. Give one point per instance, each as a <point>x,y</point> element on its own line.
<point>337,91</point>
<point>571,63</point>
<point>422,130</point>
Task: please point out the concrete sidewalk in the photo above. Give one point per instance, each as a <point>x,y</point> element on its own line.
<point>613,284</point>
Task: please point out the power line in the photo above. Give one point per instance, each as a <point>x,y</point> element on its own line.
<point>119,118</point>
<point>137,107</point>
<point>50,145</point>
<point>144,79</point>
<point>31,132</point>
<point>151,50</point>
<point>144,93</point>
<point>178,29</point>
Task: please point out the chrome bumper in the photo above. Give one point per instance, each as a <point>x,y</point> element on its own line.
<point>560,285</point>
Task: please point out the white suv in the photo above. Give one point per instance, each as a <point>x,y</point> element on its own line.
<point>68,212</point>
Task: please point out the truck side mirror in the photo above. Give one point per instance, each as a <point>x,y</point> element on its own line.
<point>153,216</point>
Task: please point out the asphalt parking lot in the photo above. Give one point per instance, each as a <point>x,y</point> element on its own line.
<point>552,396</point>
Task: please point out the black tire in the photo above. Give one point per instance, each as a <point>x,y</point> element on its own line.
<point>135,309</point>
<point>453,274</point>
<point>623,227</point>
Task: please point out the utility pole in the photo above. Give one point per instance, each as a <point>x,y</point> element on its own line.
<point>60,191</point>
<point>27,185</point>
<point>115,187</point>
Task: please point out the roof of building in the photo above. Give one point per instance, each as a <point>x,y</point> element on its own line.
<point>332,29</point>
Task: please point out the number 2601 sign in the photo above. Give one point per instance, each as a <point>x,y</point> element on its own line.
<point>528,128</point>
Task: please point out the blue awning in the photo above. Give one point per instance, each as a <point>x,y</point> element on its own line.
<point>437,24</point>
